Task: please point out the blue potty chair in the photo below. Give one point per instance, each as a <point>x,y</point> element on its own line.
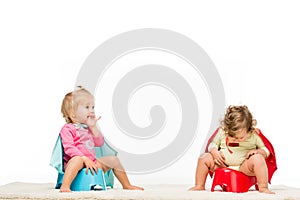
<point>84,181</point>
<point>89,181</point>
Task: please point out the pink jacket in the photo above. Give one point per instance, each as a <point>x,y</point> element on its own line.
<point>79,141</point>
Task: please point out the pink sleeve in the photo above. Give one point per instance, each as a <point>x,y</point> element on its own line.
<point>99,140</point>
<point>69,137</point>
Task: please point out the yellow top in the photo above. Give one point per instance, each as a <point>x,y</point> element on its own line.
<point>238,151</point>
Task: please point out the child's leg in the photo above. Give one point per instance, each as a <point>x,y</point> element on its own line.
<point>72,168</point>
<point>205,164</point>
<point>113,162</point>
<point>256,166</point>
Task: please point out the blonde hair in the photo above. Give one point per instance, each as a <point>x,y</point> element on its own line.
<point>237,118</point>
<point>71,101</point>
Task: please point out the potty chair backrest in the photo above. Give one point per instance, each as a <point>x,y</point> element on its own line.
<point>270,160</point>
<point>57,162</point>
<point>234,181</point>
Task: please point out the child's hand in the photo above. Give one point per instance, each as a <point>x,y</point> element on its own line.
<point>251,153</point>
<point>89,165</point>
<point>219,157</point>
<point>256,151</point>
<point>92,120</point>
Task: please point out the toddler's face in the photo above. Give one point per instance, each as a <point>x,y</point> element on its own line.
<point>240,135</point>
<point>85,110</point>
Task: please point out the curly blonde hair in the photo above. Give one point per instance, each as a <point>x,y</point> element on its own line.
<point>237,118</point>
<point>70,102</point>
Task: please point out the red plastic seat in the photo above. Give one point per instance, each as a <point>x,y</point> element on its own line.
<point>233,181</point>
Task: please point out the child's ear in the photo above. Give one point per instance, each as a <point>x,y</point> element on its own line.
<point>72,115</point>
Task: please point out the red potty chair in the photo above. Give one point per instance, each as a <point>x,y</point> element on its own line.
<point>231,180</point>
<point>234,181</point>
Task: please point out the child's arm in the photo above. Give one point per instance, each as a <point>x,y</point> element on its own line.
<point>215,142</point>
<point>89,164</point>
<point>99,139</point>
<point>261,148</point>
<point>97,135</point>
<point>68,136</point>
<point>213,149</point>
<point>218,156</point>
<point>92,124</point>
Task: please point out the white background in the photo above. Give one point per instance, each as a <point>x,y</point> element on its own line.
<point>255,46</point>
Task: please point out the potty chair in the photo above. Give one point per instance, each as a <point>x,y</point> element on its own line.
<point>231,180</point>
<point>84,181</point>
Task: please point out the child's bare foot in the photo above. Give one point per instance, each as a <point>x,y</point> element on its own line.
<point>64,189</point>
<point>133,187</point>
<point>266,190</point>
<point>197,188</point>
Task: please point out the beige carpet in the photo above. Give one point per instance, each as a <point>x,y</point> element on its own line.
<point>19,190</point>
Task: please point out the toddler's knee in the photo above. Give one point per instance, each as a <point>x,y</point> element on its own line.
<point>117,161</point>
<point>75,162</point>
<point>77,159</point>
<point>112,161</point>
<point>205,157</point>
<point>258,159</point>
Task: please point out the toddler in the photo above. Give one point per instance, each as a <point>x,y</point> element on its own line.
<point>79,137</point>
<point>237,146</point>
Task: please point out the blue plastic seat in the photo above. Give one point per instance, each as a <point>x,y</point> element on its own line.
<point>83,181</point>
<point>86,181</point>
